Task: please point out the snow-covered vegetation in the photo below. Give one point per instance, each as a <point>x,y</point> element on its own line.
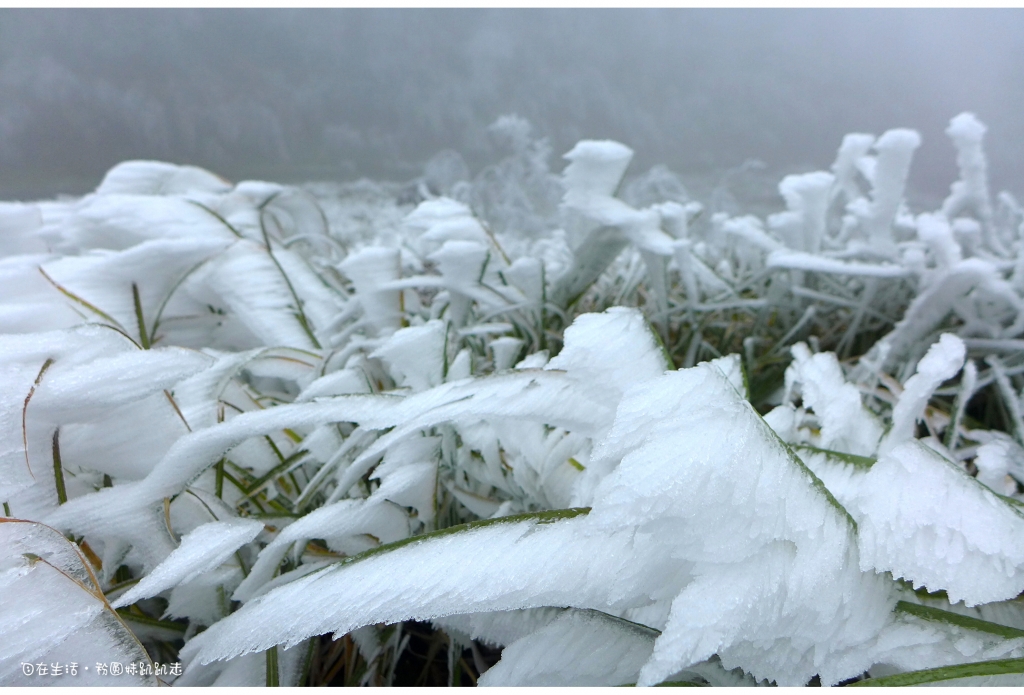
<point>618,433</point>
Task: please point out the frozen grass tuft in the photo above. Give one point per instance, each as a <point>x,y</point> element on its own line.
<point>517,428</point>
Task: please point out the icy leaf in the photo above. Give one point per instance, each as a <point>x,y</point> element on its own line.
<point>202,550</point>
<point>796,260</point>
<point>596,166</point>
<point>30,303</point>
<point>853,148</point>
<point>415,355</point>
<point>462,265</point>
<point>341,383</point>
<point>202,599</point>
<point>441,220</point>
<point>159,178</point>
<point>81,392</point>
<point>923,519</point>
<point>807,197</point>
<point>462,366</point>
<point>60,614</point>
<point>127,441</point>
<point>254,288</point>
<point>994,462</point>
<point>505,352</point>
<point>578,648</point>
<point>943,360</point>
<point>971,191</point>
<point>120,221</point>
<point>499,628</point>
<point>730,565</point>
<point>410,485</point>
<point>595,252</point>
<point>249,671</point>
<point>936,232</point>
<point>616,348</point>
<point>895,150</point>
<point>334,521</point>
<point>488,549</point>
<point>846,425</point>
<point>732,367</point>
<point>369,269</point>
<point>750,230</point>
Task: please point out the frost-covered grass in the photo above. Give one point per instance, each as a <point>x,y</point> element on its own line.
<point>610,433</point>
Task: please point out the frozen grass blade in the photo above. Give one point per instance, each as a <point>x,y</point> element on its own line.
<point>1010,398</point>
<point>217,216</point>
<point>24,410</point>
<point>75,298</point>
<point>69,619</point>
<point>300,314</point>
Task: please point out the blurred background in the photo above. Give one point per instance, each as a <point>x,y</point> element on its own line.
<point>299,95</point>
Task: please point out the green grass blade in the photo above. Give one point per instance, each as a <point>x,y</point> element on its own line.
<point>170,293</point>
<point>274,472</point>
<point>74,297</point>
<point>219,484</point>
<point>815,480</point>
<point>219,217</point>
<point>665,356</point>
<point>946,673</point>
<point>307,661</point>
<point>273,677</point>
<point>233,480</point>
<point>545,517</point>
<point>671,684</point>
<point>950,618</point>
<point>863,462</point>
<point>143,336</point>
<point>1016,504</point>
<point>174,404</point>
<point>131,616</point>
<point>58,470</point>
<point>300,315</point>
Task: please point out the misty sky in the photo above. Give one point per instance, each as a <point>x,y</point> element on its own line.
<point>337,94</point>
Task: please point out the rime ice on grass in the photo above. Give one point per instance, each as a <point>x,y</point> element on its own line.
<point>341,409</point>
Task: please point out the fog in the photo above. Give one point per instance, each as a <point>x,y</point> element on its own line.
<point>339,94</point>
